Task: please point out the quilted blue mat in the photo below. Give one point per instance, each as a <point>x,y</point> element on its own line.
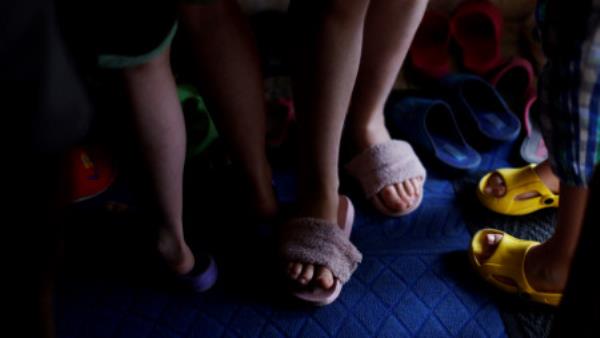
<point>415,281</point>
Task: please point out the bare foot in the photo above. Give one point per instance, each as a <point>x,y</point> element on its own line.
<point>543,270</point>
<point>497,188</point>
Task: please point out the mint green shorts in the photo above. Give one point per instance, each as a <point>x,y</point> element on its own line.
<point>136,37</point>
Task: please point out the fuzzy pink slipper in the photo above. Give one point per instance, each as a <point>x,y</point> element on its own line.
<point>383,165</point>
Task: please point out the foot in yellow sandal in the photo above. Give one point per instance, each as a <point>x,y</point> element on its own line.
<point>519,191</point>
<point>506,262</point>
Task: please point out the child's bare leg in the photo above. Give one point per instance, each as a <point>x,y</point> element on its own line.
<point>160,127</point>
<point>228,62</point>
<point>389,30</point>
<point>547,265</point>
<point>328,39</point>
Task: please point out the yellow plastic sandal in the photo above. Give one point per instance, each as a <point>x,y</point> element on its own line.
<point>508,263</point>
<point>518,181</point>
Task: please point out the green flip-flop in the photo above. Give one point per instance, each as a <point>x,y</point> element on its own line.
<point>201,129</point>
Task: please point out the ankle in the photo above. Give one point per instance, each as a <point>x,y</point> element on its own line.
<point>366,134</point>
<point>319,204</point>
<point>169,240</point>
<point>175,251</point>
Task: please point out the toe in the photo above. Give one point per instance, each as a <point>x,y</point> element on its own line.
<point>496,179</point>
<point>495,186</point>
<point>490,242</point>
<point>416,186</point>
<point>498,191</point>
<point>307,274</point>
<point>390,198</point>
<point>410,189</point>
<point>294,270</point>
<point>324,277</point>
<point>493,239</point>
<point>405,198</point>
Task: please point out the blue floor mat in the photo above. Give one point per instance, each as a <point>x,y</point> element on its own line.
<point>415,281</point>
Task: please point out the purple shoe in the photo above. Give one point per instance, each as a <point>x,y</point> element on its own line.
<point>203,276</point>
